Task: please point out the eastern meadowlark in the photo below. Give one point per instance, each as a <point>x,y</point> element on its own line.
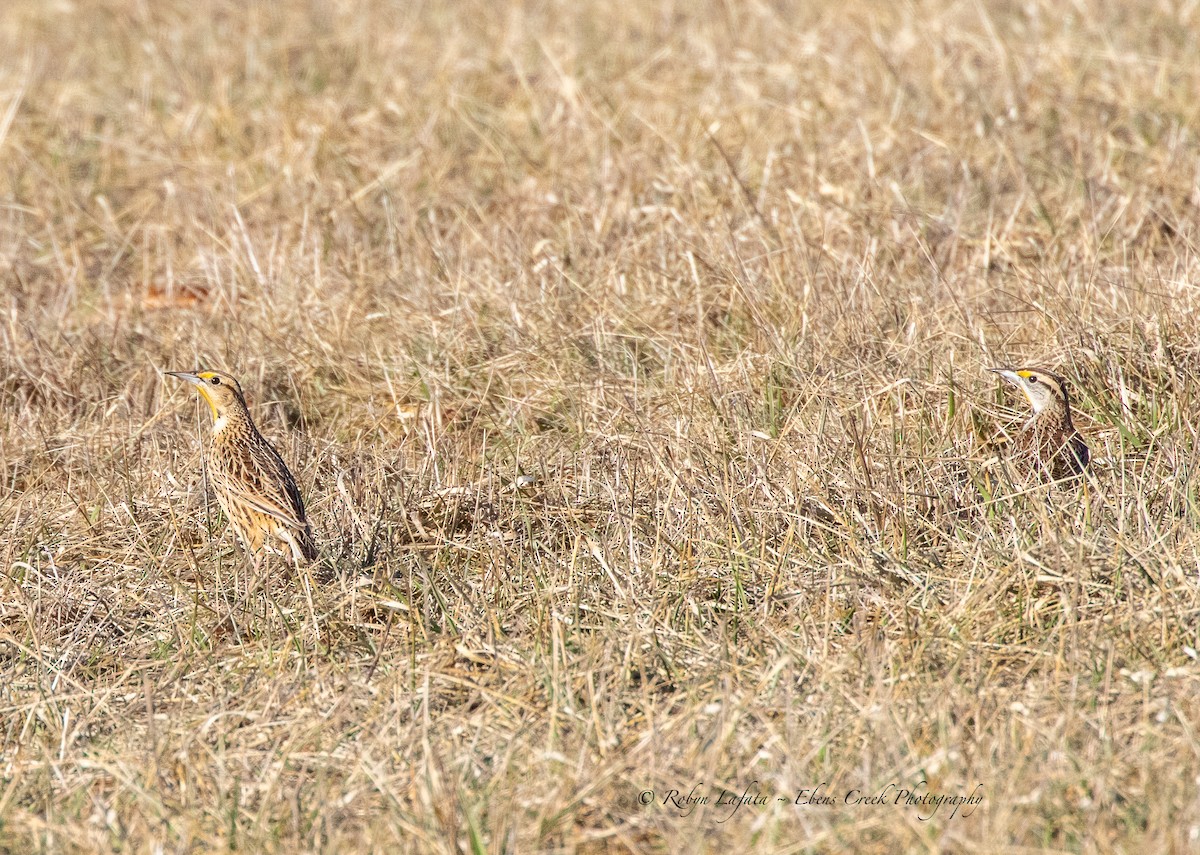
<point>1048,444</point>
<point>253,485</point>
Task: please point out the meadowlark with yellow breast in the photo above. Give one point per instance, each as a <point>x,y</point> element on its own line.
<point>253,485</point>
<point>1048,444</point>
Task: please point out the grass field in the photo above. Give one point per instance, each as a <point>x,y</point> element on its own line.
<point>631,359</point>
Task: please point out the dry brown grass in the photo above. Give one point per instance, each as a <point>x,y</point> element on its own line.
<point>723,278</point>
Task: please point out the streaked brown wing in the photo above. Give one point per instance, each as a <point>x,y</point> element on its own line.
<point>278,484</point>
<point>253,473</point>
<point>266,505</point>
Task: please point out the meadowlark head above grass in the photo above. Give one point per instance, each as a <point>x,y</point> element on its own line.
<point>1048,443</point>
<point>252,484</point>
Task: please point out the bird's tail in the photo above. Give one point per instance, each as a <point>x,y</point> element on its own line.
<point>308,546</point>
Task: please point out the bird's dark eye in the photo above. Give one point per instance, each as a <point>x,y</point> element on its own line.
<point>1032,378</point>
<point>216,381</point>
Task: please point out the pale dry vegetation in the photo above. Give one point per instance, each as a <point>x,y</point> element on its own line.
<point>721,279</point>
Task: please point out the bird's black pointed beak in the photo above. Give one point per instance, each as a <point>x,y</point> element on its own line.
<point>1008,374</point>
<point>188,376</point>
